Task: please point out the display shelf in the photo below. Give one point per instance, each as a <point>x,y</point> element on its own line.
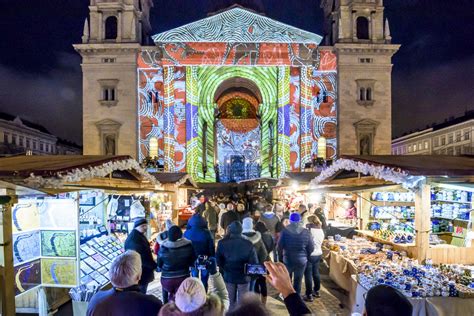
<point>447,201</point>
<point>398,219</point>
<point>442,233</point>
<point>392,203</point>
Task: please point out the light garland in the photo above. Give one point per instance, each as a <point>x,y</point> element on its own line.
<point>84,174</point>
<point>379,172</point>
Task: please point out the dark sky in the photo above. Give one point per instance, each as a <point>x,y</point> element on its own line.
<point>40,75</point>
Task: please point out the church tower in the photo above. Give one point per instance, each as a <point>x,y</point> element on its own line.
<point>361,38</point>
<point>113,35</point>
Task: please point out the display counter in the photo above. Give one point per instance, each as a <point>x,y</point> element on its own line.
<point>426,306</point>
<point>409,248</point>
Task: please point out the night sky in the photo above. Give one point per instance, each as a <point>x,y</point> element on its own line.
<point>40,75</point>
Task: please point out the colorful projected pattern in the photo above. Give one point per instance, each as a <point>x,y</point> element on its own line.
<point>294,119</point>
<point>298,103</point>
<point>27,276</point>
<point>58,243</point>
<point>26,246</point>
<point>59,272</point>
<point>283,144</point>
<point>237,25</point>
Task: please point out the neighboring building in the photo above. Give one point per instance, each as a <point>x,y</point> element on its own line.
<point>65,147</point>
<point>453,137</point>
<point>18,136</point>
<point>208,100</point>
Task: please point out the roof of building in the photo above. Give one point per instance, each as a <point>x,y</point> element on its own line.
<point>66,142</point>
<point>468,115</point>
<point>237,25</point>
<point>11,118</point>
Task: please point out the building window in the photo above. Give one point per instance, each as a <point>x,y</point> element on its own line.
<point>108,95</point>
<point>450,151</point>
<point>457,150</point>
<point>450,138</point>
<point>466,150</point>
<point>35,144</point>
<point>365,91</point>
<point>5,138</point>
<point>21,141</point>
<point>365,60</point>
<point>458,136</point>
<point>111,28</point>
<point>27,143</point>
<point>436,142</point>
<point>426,144</point>
<point>409,149</point>
<point>14,139</point>
<point>41,146</point>
<point>362,28</point>
<point>466,135</point>
<point>443,141</point>
<point>108,60</point>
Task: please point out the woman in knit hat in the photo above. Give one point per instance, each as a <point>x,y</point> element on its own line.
<point>192,298</point>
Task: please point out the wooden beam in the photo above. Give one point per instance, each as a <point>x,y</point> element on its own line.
<point>7,278</point>
<point>423,221</point>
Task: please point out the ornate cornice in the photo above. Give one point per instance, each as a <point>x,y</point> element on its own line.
<point>91,48</point>
<point>358,48</point>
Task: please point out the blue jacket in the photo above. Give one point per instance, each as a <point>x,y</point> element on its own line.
<point>200,236</point>
<point>233,252</point>
<point>295,244</point>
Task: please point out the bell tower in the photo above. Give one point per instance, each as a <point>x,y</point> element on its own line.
<point>112,38</point>
<point>362,42</point>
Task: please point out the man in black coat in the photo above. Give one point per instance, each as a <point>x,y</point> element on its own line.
<point>233,252</point>
<point>137,241</point>
<point>125,298</point>
<point>229,217</point>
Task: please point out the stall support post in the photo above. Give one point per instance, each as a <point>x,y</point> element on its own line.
<point>423,221</point>
<point>7,278</point>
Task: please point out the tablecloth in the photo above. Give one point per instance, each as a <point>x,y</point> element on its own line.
<point>340,270</point>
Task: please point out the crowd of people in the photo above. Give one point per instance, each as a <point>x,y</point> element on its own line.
<point>230,250</point>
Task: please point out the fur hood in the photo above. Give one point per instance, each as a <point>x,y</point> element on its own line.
<point>176,244</point>
<point>253,237</point>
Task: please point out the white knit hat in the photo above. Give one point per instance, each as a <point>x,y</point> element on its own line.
<point>191,295</point>
<point>247,225</point>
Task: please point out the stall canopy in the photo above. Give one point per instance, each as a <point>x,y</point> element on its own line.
<point>180,179</point>
<point>408,171</point>
<point>52,174</point>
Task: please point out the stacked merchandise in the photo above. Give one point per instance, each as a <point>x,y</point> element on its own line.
<point>96,257</point>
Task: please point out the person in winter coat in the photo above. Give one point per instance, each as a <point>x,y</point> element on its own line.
<point>233,252</point>
<point>175,258</point>
<point>193,299</point>
<point>242,212</point>
<point>202,241</point>
<point>229,216</point>
<point>311,273</point>
<point>125,298</point>
<point>294,247</point>
<point>256,239</point>
<point>267,238</point>
<point>162,236</point>
<point>211,217</point>
<point>137,241</point>
<point>270,219</point>
<point>322,218</point>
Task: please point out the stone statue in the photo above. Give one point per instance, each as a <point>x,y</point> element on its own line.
<point>365,145</point>
<point>109,145</point>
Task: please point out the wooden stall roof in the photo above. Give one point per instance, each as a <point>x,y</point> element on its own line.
<point>423,165</point>
<point>179,178</point>
<point>23,166</point>
<point>301,177</point>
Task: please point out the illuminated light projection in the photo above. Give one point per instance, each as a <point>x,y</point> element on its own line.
<point>258,100</point>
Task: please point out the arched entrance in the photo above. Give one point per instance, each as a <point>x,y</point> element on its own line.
<point>237,132</point>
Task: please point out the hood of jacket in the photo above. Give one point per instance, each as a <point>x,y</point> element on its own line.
<point>253,237</point>
<point>295,228</point>
<point>197,221</point>
<point>176,244</point>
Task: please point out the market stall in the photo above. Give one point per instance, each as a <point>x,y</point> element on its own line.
<point>416,207</point>
<point>63,221</point>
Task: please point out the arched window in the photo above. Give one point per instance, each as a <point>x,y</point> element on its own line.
<point>368,94</point>
<point>111,28</point>
<point>362,28</point>
<point>362,94</point>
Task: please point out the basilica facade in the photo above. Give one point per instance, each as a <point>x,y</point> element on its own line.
<point>236,95</point>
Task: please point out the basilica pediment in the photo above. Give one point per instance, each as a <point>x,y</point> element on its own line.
<point>237,25</point>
